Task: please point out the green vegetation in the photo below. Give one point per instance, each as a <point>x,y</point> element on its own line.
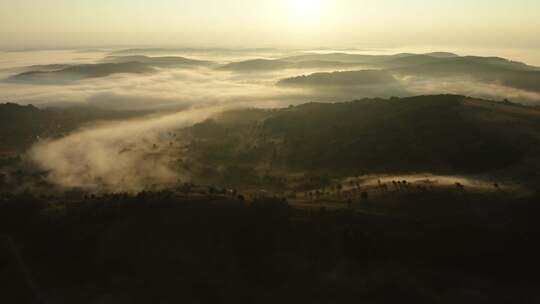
<point>444,134</point>
<point>22,126</point>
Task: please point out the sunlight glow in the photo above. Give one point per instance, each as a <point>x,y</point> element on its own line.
<point>307,10</point>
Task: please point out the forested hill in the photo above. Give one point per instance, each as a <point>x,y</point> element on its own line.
<point>21,125</point>
<point>440,133</point>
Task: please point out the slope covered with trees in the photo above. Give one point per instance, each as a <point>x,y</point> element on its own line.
<point>444,133</point>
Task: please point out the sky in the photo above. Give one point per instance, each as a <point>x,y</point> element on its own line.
<point>276,23</point>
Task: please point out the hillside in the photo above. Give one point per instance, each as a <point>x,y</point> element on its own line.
<point>343,57</point>
<point>440,134</point>
<point>256,65</point>
<point>21,126</point>
<point>162,62</point>
<point>110,65</point>
<point>432,67</point>
<point>261,65</point>
<point>489,70</point>
<point>82,71</point>
<point>340,79</point>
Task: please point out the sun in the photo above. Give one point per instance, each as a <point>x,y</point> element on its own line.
<point>307,10</point>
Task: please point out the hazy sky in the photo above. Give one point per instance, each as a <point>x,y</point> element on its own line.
<point>281,23</point>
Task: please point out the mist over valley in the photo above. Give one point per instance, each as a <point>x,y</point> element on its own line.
<point>269,151</point>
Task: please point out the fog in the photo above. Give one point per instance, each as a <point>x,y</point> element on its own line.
<point>123,156</point>
<point>182,88</point>
<point>130,156</point>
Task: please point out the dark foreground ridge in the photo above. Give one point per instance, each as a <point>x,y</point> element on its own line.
<point>162,248</point>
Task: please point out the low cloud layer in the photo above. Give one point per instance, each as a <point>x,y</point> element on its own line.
<point>179,88</point>
<point>127,156</point>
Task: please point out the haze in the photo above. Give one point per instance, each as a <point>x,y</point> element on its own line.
<point>269,151</point>
<point>439,24</point>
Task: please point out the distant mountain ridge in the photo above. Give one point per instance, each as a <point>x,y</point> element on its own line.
<point>490,70</point>
<point>166,61</point>
<point>261,65</point>
<point>428,66</point>
<point>341,79</point>
<point>82,71</point>
<point>65,73</point>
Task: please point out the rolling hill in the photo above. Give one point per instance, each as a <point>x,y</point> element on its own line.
<point>82,71</point>
<point>487,70</point>
<point>340,79</point>
<point>447,134</point>
<point>21,126</point>
<point>257,65</point>
<point>162,62</point>
<point>262,65</point>
<point>111,65</point>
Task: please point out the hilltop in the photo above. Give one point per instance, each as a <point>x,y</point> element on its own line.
<point>110,65</point>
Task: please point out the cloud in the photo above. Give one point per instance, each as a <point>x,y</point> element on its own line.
<point>166,89</point>
<point>182,88</point>
<point>468,86</point>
